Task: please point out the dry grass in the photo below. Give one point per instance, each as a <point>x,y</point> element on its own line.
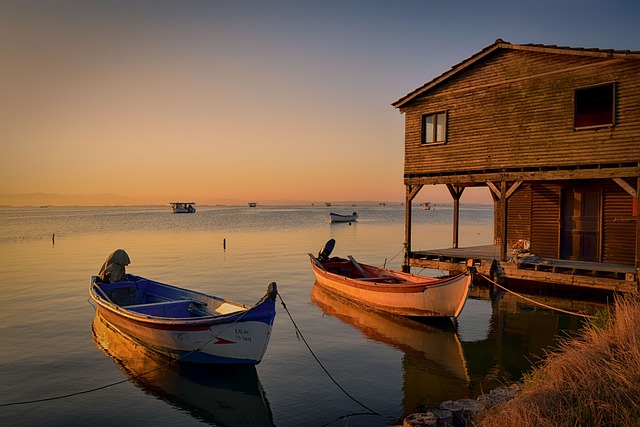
<point>593,380</point>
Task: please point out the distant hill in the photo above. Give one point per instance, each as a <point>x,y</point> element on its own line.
<point>54,199</point>
<point>105,199</point>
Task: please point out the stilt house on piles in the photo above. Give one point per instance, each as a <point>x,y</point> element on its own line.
<point>553,133</point>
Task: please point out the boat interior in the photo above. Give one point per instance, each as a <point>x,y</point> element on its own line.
<point>352,269</point>
<point>156,299</point>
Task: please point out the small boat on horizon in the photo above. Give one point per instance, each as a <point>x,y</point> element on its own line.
<point>253,204</point>
<point>391,291</point>
<point>183,207</point>
<point>180,323</point>
<point>426,206</point>
<point>336,217</point>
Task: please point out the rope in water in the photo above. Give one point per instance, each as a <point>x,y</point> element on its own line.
<point>536,302</point>
<point>132,378</point>
<point>371,411</point>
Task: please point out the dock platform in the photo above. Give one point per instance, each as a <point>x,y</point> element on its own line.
<point>528,267</point>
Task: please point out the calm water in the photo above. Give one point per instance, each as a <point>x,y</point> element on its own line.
<point>394,366</point>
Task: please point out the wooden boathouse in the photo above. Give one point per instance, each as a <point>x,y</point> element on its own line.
<point>553,133</point>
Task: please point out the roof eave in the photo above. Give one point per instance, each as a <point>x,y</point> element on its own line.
<point>500,44</point>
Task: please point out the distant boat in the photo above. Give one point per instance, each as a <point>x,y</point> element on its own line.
<point>327,204</point>
<point>252,204</point>
<point>426,206</point>
<point>336,217</point>
<point>183,207</point>
<point>184,324</point>
<point>394,292</point>
<point>382,204</point>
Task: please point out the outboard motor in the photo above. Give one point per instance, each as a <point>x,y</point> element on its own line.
<point>323,255</point>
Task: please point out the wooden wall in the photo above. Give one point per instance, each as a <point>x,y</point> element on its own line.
<point>619,226</point>
<point>514,109</point>
<point>534,215</point>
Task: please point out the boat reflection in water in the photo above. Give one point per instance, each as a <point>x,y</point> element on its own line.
<point>222,395</point>
<point>434,366</point>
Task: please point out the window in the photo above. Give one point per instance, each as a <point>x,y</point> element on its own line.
<point>434,128</point>
<point>594,106</point>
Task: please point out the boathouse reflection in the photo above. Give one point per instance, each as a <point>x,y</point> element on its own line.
<point>218,395</point>
<point>493,342</point>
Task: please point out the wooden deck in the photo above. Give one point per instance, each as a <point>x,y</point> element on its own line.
<point>609,277</point>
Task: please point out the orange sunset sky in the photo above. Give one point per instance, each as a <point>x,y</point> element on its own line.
<point>217,101</point>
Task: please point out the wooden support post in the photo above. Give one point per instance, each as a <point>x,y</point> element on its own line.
<point>503,224</point>
<point>456,194</point>
<point>411,192</point>
<point>502,195</point>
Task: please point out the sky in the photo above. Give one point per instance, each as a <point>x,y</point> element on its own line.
<point>159,101</point>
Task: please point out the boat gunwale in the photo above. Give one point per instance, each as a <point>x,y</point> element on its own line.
<point>408,287</point>
<point>181,322</point>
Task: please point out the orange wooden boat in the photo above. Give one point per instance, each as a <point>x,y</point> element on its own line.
<point>391,291</point>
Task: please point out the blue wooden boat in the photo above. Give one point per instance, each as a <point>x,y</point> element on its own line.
<point>184,324</point>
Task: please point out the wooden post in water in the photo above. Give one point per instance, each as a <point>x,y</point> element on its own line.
<point>456,193</point>
<point>411,192</point>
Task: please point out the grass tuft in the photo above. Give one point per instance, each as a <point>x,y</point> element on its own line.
<point>591,380</point>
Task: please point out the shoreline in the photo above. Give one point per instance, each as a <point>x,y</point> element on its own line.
<point>591,379</point>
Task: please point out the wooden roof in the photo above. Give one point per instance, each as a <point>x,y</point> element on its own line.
<point>501,44</point>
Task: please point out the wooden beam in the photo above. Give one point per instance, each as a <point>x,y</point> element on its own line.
<point>461,178</point>
<point>455,191</point>
<point>513,188</point>
<point>625,185</point>
<point>494,189</point>
<point>412,191</point>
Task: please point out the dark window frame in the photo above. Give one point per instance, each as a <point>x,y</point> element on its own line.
<point>593,107</point>
<point>435,137</point>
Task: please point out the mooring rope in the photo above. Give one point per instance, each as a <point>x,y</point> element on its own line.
<point>392,258</point>
<point>299,332</point>
<point>132,378</point>
<point>536,302</point>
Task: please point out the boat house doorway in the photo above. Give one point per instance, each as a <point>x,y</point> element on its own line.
<point>580,224</point>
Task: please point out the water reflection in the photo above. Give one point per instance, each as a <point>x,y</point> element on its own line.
<point>503,335</point>
<point>493,342</point>
<point>224,396</point>
<point>434,366</point>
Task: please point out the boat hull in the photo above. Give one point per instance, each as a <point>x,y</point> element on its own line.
<point>239,337</point>
<point>395,292</point>
<point>335,217</point>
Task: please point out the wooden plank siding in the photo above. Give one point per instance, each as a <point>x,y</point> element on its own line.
<point>510,125</point>
<point>619,225</point>
<point>519,216</point>
<point>496,121</point>
<point>534,212</point>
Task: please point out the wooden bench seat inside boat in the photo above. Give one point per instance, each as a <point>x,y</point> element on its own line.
<point>385,279</point>
<point>174,309</point>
